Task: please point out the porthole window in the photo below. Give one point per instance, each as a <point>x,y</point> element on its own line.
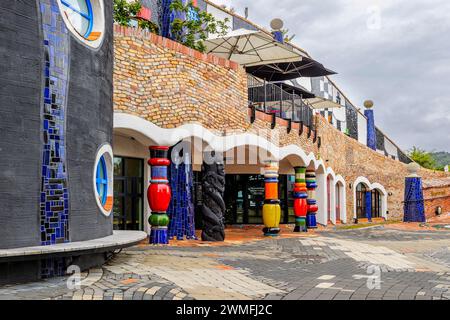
<point>103,179</point>
<point>85,19</point>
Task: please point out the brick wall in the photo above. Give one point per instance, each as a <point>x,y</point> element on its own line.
<point>166,82</point>
<point>436,196</point>
<point>170,85</point>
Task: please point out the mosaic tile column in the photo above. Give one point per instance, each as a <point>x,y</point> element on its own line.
<point>54,200</point>
<point>371,131</point>
<point>271,208</point>
<point>158,195</point>
<point>311,185</point>
<point>181,208</point>
<point>165,17</point>
<point>300,203</point>
<point>368,199</point>
<point>413,207</point>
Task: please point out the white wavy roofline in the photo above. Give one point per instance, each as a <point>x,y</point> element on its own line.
<point>171,136</point>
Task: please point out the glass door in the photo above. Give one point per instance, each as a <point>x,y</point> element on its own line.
<point>128,193</point>
<point>376,204</point>
<point>361,201</point>
<point>256,190</point>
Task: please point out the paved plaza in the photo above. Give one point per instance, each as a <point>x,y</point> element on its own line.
<point>364,264</point>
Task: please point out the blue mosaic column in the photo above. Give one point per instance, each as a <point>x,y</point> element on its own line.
<point>413,208</point>
<point>371,133</point>
<point>54,200</point>
<point>181,208</point>
<point>369,205</point>
<point>165,17</point>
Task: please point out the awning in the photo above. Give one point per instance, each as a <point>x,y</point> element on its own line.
<point>321,103</point>
<point>306,67</point>
<point>251,48</point>
<point>297,89</point>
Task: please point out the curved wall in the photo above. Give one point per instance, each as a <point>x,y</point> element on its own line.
<point>87,124</point>
<point>20,122</point>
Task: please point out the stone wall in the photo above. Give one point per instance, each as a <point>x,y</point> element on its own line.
<point>170,85</point>
<point>436,193</point>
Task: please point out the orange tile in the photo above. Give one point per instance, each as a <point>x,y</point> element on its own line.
<point>129,281</point>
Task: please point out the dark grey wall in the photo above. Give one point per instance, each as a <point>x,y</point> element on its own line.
<point>20,144</point>
<point>351,115</point>
<point>89,125</point>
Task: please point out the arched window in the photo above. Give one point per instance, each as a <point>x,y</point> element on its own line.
<point>101,180</point>
<point>80,15</point>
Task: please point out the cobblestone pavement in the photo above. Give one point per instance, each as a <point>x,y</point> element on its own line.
<point>339,265</point>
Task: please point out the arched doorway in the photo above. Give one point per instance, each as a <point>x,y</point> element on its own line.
<point>338,202</point>
<point>361,194</point>
<point>369,203</point>
<point>328,199</point>
<point>369,199</point>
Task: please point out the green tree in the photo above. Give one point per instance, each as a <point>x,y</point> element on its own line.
<point>423,158</point>
<point>193,31</point>
<point>124,12</point>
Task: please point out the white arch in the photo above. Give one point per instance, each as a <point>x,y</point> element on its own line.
<point>322,194</point>
<point>342,198</point>
<point>219,143</point>
<point>332,198</point>
<point>371,186</point>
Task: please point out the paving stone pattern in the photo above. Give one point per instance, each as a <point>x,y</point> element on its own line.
<point>331,266</point>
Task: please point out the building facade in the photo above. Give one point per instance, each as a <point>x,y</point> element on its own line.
<point>108,128</point>
<point>56,177</point>
<point>165,93</point>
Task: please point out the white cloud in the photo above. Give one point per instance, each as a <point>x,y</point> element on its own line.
<point>404,65</point>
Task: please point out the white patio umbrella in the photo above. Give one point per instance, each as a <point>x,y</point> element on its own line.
<point>321,103</point>
<point>251,48</point>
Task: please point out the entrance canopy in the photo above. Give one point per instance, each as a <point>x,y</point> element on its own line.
<point>251,48</point>
<point>306,67</point>
<point>321,103</point>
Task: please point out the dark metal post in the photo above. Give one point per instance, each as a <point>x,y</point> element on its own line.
<point>281,101</point>
<point>265,95</point>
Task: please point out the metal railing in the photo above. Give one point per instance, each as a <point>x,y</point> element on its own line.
<point>273,99</point>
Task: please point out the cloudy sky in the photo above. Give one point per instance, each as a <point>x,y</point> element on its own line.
<point>395,52</point>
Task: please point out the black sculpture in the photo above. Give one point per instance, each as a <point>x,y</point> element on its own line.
<point>213,207</point>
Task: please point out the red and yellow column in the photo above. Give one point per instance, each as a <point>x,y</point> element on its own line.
<point>311,185</point>
<point>300,203</point>
<point>159,194</point>
<point>271,208</point>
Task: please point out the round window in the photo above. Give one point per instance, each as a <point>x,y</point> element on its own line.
<point>85,19</point>
<point>103,179</point>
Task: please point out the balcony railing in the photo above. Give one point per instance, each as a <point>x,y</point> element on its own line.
<point>273,99</point>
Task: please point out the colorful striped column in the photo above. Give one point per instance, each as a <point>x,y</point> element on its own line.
<point>271,208</point>
<point>300,203</point>
<point>311,185</point>
<point>158,195</point>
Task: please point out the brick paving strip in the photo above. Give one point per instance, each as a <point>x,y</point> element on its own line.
<point>324,266</point>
